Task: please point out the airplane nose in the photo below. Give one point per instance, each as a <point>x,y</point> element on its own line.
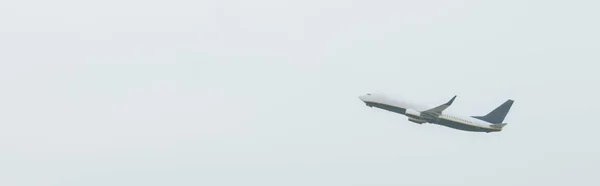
<point>363,97</point>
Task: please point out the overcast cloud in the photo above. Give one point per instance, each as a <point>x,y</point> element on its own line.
<point>265,92</point>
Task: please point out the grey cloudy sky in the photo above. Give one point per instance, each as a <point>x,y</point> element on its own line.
<point>264,92</point>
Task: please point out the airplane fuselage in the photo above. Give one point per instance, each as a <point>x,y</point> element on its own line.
<point>415,114</point>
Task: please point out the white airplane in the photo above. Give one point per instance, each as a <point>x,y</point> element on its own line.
<point>492,122</point>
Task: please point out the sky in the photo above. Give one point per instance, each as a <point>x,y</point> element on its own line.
<point>265,92</point>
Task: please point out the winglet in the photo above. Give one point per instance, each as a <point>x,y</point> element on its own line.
<point>451,100</point>
<point>435,112</point>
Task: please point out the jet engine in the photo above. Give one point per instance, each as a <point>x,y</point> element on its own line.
<point>415,116</point>
<point>418,121</point>
<point>413,113</point>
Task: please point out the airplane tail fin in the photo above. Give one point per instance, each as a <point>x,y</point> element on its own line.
<point>497,115</point>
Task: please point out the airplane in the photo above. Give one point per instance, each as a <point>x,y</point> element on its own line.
<point>491,122</point>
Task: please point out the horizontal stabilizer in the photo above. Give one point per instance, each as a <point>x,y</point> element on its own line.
<point>498,126</point>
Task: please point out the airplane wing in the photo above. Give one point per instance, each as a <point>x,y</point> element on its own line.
<point>439,109</point>
<point>434,113</point>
